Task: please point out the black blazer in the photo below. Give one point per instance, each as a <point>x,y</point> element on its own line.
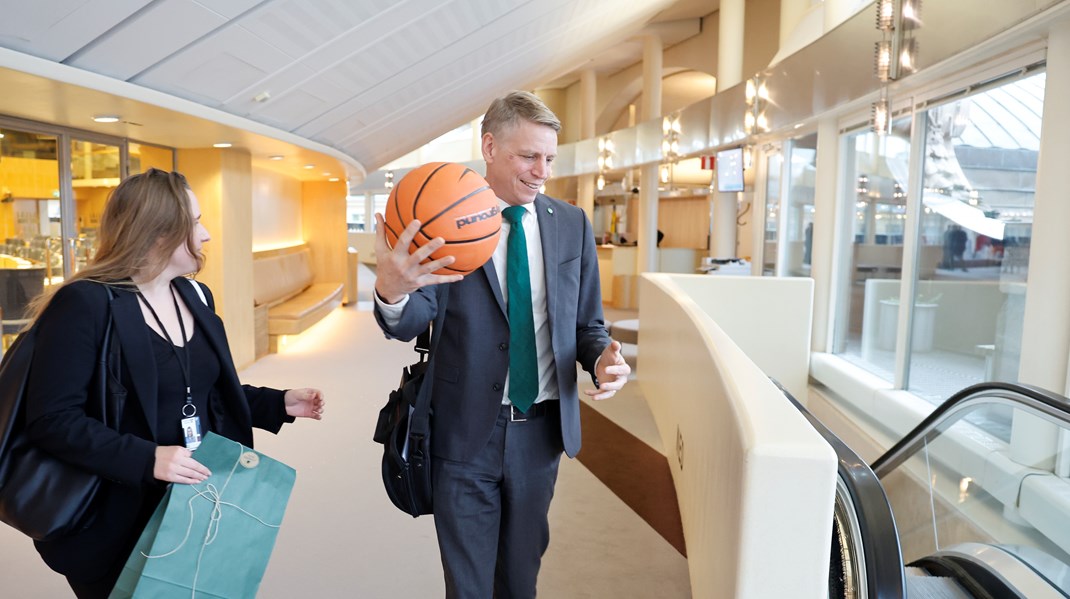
<point>467,371</point>
<point>69,337</point>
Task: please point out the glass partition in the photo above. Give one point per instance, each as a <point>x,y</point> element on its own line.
<point>967,485</point>
<point>30,247</point>
<point>774,163</point>
<point>799,210</point>
<point>979,177</point>
<point>94,174</point>
<point>144,156</point>
<point>866,330</point>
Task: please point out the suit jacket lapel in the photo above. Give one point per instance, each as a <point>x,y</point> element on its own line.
<point>549,235</point>
<point>137,353</point>
<point>492,280</point>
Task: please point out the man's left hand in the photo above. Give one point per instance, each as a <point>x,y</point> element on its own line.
<point>611,371</point>
<point>305,403</point>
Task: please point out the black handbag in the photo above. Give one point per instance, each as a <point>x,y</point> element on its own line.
<point>404,429</point>
<point>41,495</point>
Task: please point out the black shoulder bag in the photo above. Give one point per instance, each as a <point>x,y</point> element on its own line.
<point>41,495</point>
<point>404,428</point>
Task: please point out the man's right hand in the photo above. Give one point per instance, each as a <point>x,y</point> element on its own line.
<point>399,273</point>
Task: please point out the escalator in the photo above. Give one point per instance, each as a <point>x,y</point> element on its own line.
<point>902,528</point>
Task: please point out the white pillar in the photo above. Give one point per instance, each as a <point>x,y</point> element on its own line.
<point>723,224</point>
<point>791,14</point>
<point>588,93</point>
<point>651,77</point>
<point>825,222</point>
<point>837,11</point>
<point>1046,326</point>
<point>730,44</point>
<point>723,206</point>
<point>647,227</point>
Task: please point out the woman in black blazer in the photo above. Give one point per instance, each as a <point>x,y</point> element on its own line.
<point>175,365</point>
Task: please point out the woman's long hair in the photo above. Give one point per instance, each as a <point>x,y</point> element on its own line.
<point>145,218</point>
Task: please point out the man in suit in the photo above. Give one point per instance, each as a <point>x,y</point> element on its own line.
<point>503,371</point>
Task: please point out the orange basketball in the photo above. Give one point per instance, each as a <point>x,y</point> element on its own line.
<point>453,202</point>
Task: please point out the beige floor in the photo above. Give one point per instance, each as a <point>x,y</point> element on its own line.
<point>341,536</point>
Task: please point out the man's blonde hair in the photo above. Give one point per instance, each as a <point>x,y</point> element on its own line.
<point>514,107</point>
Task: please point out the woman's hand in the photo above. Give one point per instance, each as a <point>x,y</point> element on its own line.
<point>175,464</point>
<point>305,403</point>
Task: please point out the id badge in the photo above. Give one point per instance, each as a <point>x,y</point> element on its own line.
<point>191,431</point>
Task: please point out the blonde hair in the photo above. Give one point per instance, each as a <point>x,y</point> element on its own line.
<point>146,212</point>
<point>515,106</point>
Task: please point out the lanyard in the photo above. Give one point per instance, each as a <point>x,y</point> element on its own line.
<point>183,364</point>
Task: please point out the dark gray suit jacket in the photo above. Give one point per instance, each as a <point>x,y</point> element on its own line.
<point>471,357</point>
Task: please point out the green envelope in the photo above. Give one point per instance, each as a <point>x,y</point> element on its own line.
<point>212,539</point>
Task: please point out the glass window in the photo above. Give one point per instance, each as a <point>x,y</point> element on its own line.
<point>355,213</point>
<point>379,205</point>
<point>30,230</point>
<point>799,212</point>
<point>773,164</point>
<point>94,174</point>
<point>866,327</point>
<point>143,157</point>
<point>979,178</point>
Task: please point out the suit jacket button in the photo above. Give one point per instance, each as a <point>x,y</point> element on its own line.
<point>503,346</point>
<point>497,387</point>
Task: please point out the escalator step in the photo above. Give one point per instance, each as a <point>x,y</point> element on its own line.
<point>924,586</point>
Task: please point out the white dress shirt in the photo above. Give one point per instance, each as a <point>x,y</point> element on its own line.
<point>548,388</point>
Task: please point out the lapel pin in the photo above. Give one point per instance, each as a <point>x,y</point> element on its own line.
<point>550,210</point>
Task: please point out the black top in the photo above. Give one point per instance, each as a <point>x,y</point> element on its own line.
<point>204,370</point>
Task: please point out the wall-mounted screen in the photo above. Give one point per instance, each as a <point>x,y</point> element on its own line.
<point>730,170</point>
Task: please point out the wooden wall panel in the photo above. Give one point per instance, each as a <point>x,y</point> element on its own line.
<point>323,224</point>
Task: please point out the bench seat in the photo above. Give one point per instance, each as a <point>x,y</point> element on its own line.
<point>304,309</point>
<point>285,299</point>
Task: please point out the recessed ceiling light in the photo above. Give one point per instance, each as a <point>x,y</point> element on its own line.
<point>106,118</point>
<point>222,144</point>
<point>275,157</point>
<point>326,174</point>
<point>310,166</point>
<point>333,179</point>
<point>1,136</point>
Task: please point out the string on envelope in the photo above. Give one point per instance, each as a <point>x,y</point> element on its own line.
<point>210,493</point>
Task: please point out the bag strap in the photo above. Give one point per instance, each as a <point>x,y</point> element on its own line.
<point>200,292</point>
<point>420,420</point>
<point>111,406</point>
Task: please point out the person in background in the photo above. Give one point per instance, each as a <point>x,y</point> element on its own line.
<point>504,391</point>
<point>175,365</point>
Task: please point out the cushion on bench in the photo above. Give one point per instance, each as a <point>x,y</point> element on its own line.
<point>280,277</point>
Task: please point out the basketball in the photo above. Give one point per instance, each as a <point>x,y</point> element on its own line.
<point>453,202</point>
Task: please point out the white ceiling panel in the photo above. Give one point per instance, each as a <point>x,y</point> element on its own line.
<point>230,9</point>
<point>58,28</point>
<point>147,38</point>
<point>293,106</point>
<point>504,27</point>
<point>371,79</point>
<point>217,67</point>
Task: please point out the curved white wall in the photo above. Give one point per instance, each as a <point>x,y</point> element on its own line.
<point>755,482</point>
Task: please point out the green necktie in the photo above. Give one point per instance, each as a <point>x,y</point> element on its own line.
<point>523,365</point>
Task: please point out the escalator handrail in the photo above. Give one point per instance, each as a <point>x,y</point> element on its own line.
<point>1015,394</point>
<point>885,576</point>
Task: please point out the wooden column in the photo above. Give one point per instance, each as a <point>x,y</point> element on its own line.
<point>222,181</point>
